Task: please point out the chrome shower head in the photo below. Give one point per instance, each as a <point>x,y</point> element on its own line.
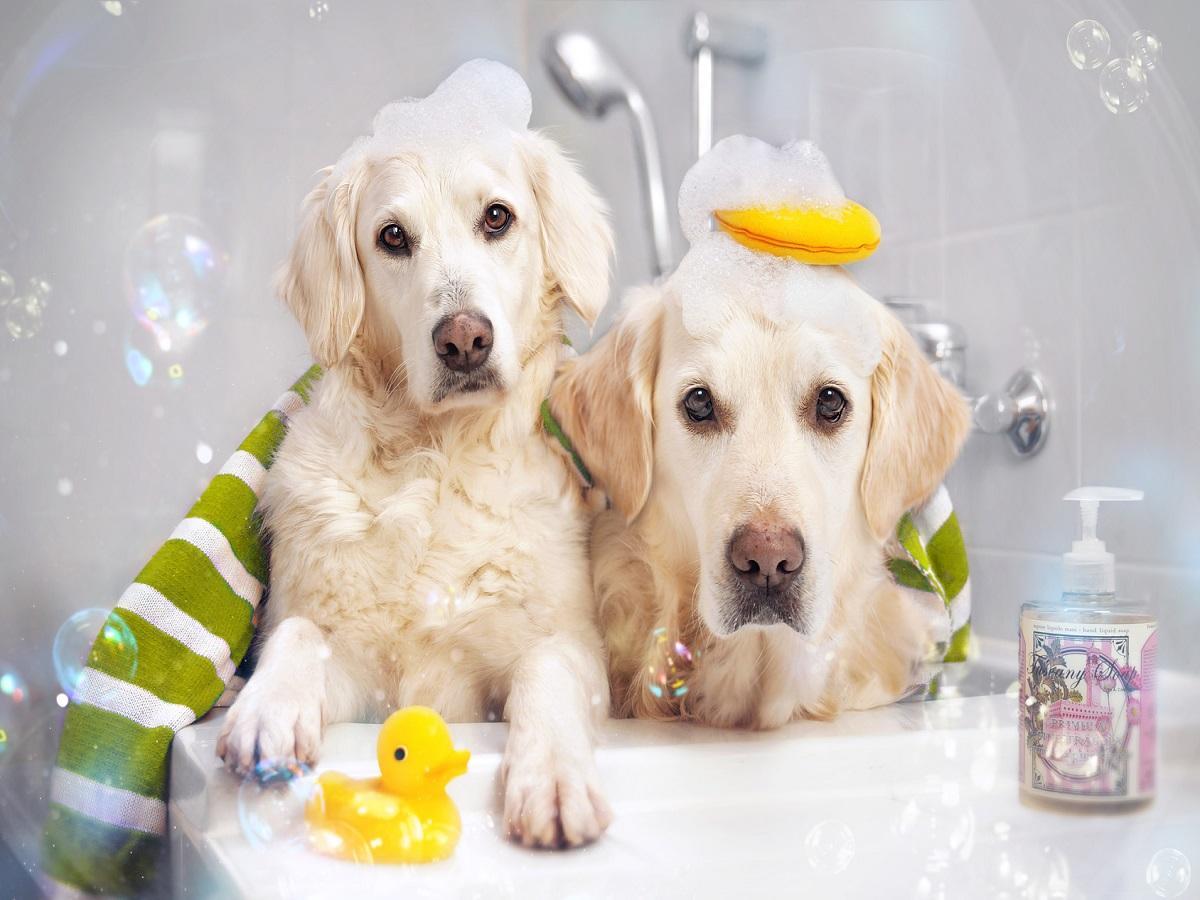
<point>586,74</point>
<point>593,82</point>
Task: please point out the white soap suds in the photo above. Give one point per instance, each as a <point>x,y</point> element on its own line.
<point>481,102</point>
<point>718,275</point>
<point>743,172</point>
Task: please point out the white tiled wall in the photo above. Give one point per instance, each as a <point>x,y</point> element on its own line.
<point>1058,234</point>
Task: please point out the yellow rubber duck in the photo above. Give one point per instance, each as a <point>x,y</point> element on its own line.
<point>405,815</point>
<point>817,235</point>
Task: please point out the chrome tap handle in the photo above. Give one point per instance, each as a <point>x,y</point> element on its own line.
<point>1021,410</point>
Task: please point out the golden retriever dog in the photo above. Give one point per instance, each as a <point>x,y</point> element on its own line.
<point>428,540</point>
<point>757,465</point>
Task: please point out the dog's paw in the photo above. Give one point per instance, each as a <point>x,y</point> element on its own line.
<point>275,725</point>
<point>553,802</point>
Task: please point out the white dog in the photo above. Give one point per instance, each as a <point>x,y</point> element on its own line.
<point>758,465</point>
<point>428,539</point>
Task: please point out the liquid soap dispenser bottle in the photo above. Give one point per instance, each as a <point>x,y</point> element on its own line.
<point>1086,665</point>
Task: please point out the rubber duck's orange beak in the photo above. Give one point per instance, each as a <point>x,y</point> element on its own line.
<point>454,764</point>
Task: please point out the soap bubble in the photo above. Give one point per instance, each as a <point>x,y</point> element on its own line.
<point>204,453</point>
<point>1169,873</point>
<point>667,675</point>
<point>339,839</point>
<point>1088,44</point>
<point>146,360</point>
<point>15,709</point>
<point>8,288</point>
<point>830,846</point>
<point>91,637</point>
<point>317,10</point>
<point>66,487</point>
<point>270,804</point>
<point>60,348</point>
<point>173,277</point>
<point>23,315</point>
<point>1145,49</point>
<point>1123,86</point>
<point>112,7</point>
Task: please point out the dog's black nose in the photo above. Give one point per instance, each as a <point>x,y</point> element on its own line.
<point>463,341</point>
<point>766,554</point>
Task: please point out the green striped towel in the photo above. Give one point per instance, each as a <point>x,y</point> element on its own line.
<point>936,561</point>
<point>192,613</point>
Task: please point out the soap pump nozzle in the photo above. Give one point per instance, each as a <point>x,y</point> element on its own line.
<point>1089,568</point>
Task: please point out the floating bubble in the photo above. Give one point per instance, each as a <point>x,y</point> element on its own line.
<point>148,362</point>
<point>173,276</point>
<point>317,10</point>
<point>1088,44</point>
<point>1123,86</point>
<point>666,675</point>
<point>62,700</point>
<point>341,840</point>
<point>270,804</point>
<point>94,637</point>
<point>15,709</point>
<point>23,316</point>
<point>830,846</point>
<point>8,288</point>
<point>60,348</point>
<point>1169,873</point>
<point>112,7</point>
<point>65,487</point>
<point>1145,49</point>
<point>204,453</point>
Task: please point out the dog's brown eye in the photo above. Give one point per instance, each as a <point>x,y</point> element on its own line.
<point>393,239</point>
<point>831,403</point>
<point>698,405</point>
<point>496,219</point>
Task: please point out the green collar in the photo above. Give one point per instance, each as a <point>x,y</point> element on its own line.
<point>556,431</point>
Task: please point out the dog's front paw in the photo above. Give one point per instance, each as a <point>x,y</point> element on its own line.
<point>276,725</point>
<point>552,800</point>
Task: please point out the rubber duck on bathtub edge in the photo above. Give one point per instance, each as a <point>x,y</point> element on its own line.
<point>405,815</point>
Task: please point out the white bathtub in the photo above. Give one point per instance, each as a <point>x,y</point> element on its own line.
<point>918,799</point>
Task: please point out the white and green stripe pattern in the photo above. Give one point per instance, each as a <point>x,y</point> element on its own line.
<point>936,561</point>
<point>191,610</point>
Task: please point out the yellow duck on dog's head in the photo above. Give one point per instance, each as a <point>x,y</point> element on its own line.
<point>784,201</point>
<point>405,815</point>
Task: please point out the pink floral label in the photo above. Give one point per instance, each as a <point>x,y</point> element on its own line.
<point>1087,708</point>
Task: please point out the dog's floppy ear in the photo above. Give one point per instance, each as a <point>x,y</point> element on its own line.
<point>322,281</point>
<point>918,423</point>
<point>577,241</point>
<point>604,401</point>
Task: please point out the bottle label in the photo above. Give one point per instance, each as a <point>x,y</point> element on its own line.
<point>1087,708</point>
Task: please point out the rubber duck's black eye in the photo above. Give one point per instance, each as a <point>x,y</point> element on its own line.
<point>400,754</point>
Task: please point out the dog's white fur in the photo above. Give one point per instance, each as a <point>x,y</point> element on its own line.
<point>430,547</point>
<point>659,556</point>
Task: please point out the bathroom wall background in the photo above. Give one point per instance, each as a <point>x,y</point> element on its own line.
<point>1012,200</point>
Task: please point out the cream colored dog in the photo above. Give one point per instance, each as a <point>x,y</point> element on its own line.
<point>428,541</point>
<point>758,472</point>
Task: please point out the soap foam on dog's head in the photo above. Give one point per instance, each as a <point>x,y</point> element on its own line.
<point>718,275</point>
<point>481,102</point>
<point>743,172</point>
